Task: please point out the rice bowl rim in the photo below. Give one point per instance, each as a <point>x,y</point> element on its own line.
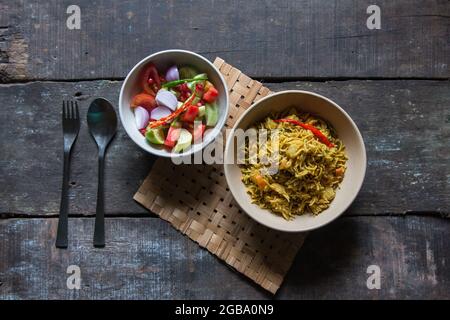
<point>246,206</point>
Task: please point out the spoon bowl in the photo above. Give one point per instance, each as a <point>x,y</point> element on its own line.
<point>102,121</point>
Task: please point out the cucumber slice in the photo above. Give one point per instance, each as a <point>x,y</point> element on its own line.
<point>202,81</point>
<point>184,141</point>
<point>212,114</point>
<point>176,123</point>
<point>201,111</point>
<point>196,100</point>
<point>187,72</point>
<point>201,76</point>
<point>175,93</point>
<point>155,135</point>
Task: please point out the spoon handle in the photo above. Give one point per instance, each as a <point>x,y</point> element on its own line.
<point>99,231</point>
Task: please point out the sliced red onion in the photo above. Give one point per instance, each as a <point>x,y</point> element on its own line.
<point>167,99</point>
<point>160,112</point>
<point>172,74</point>
<point>142,117</point>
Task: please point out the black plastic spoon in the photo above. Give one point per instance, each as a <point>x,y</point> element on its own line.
<point>102,122</point>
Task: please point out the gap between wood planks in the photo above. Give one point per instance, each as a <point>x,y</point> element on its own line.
<point>260,79</point>
<point>151,215</point>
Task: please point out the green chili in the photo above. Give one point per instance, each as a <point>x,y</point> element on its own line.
<point>175,83</point>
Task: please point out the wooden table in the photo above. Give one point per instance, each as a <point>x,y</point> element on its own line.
<point>394,82</point>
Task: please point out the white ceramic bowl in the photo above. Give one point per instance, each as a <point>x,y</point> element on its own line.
<point>347,132</point>
<point>163,60</point>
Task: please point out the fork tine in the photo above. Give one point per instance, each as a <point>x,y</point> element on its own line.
<point>64,113</point>
<point>72,110</point>
<point>69,114</point>
<point>77,114</point>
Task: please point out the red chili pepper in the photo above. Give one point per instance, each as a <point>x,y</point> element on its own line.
<point>174,114</point>
<point>311,128</point>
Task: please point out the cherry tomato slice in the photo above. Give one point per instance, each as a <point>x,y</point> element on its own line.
<point>152,86</point>
<point>144,100</point>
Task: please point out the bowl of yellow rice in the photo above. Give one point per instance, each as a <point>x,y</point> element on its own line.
<point>295,161</point>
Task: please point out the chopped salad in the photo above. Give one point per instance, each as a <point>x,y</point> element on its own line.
<point>175,109</point>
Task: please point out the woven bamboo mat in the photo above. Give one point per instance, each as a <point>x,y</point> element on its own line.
<point>195,199</point>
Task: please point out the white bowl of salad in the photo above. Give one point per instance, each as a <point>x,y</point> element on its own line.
<point>173,103</point>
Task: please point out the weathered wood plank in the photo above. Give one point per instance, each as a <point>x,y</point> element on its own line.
<point>147,259</point>
<point>31,144</point>
<point>412,253</point>
<point>405,124</point>
<point>406,130</point>
<point>286,38</point>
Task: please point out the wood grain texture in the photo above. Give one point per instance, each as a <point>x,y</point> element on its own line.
<point>286,38</point>
<point>148,259</point>
<point>405,124</point>
<point>32,152</point>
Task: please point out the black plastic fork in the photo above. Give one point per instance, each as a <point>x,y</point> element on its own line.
<point>71,127</point>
